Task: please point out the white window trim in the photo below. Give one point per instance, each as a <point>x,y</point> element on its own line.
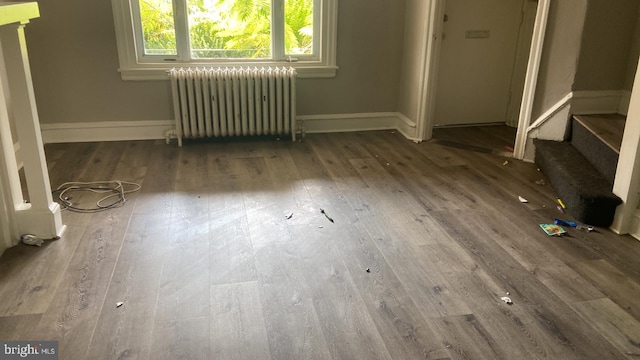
<point>132,69</point>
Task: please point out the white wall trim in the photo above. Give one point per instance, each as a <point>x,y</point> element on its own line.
<point>625,100</point>
<point>634,227</point>
<point>596,102</point>
<point>408,128</point>
<point>346,122</point>
<point>531,78</point>
<point>552,124</point>
<point>358,122</point>
<point>585,103</point>
<point>429,71</point>
<point>628,168</point>
<point>156,129</point>
<point>105,131</point>
<point>553,110</point>
<point>405,120</point>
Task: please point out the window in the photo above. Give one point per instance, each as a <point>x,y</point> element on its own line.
<point>156,35</point>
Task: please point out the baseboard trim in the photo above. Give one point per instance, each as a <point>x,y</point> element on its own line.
<point>407,127</point>
<point>105,131</point>
<point>625,101</point>
<point>347,122</point>
<point>157,129</point>
<point>357,122</point>
<point>596,102</point>
<point>633,229</point>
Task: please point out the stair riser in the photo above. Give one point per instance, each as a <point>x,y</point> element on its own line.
<point>585,192</point>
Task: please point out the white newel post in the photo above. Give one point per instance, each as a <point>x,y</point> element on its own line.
<point>627,181</point>
<point>41,217</point>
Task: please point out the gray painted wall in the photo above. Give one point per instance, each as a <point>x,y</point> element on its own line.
<point>606,44</point>
<point>559,61</point>
<point>634,53</point>
<point>74,64</point>
<point>74,61</point>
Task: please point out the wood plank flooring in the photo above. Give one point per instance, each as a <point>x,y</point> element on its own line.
<point>425,240</point>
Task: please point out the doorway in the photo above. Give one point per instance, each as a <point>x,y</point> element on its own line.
<point>483,61</point>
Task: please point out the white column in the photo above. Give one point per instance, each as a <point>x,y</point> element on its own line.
<point>10,189</point>
<point>42,216</point>
<point>626,184</point>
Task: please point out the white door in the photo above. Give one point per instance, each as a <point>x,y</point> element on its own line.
<point>476,68</point>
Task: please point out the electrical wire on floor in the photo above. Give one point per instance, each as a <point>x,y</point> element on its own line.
<point>115,188</point>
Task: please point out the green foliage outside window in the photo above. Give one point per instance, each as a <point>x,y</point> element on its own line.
<point>227,28</point>
<point>157,27</point>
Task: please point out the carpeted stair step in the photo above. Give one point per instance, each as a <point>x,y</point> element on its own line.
<point>598,138</point>
<point>585,192</point>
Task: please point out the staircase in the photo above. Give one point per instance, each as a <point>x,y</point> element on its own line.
<point>582,170</point>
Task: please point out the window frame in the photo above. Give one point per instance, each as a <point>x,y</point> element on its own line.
<point>133,66</point>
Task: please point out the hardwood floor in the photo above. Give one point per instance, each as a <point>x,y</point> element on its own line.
<point>425,240</point>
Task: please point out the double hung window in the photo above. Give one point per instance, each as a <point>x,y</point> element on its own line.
<point>155,35</point>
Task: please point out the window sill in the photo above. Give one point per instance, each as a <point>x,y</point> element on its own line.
<point>160,72</point>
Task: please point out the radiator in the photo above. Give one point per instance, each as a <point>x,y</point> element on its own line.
<point>238,101</point>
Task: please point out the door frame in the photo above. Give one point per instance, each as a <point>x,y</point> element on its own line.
<point>426,106</point>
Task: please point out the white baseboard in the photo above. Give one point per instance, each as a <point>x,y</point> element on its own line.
<point>408,128</point>
<point>358,122</point>
<point>347,122</point>
<point>105,131</point>
<point>151,130</point>
<point>625,100</point>
<point>596,102</point>
<point>634,228</point>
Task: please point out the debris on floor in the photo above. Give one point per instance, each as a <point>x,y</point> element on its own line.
<point>562,204</point>
<point>587,228</point>
<point>289,215</point>
<point>325,215</point>
<point>507,300</point>
<point>522,200</point>
<point>505,163</point>
<point>541,182</point>
<point>119,304</point>
<point>560,209</point>
<point>32,240</point>
<point>553,229</point>
<point>368,270</point>
<point>565,223</point>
